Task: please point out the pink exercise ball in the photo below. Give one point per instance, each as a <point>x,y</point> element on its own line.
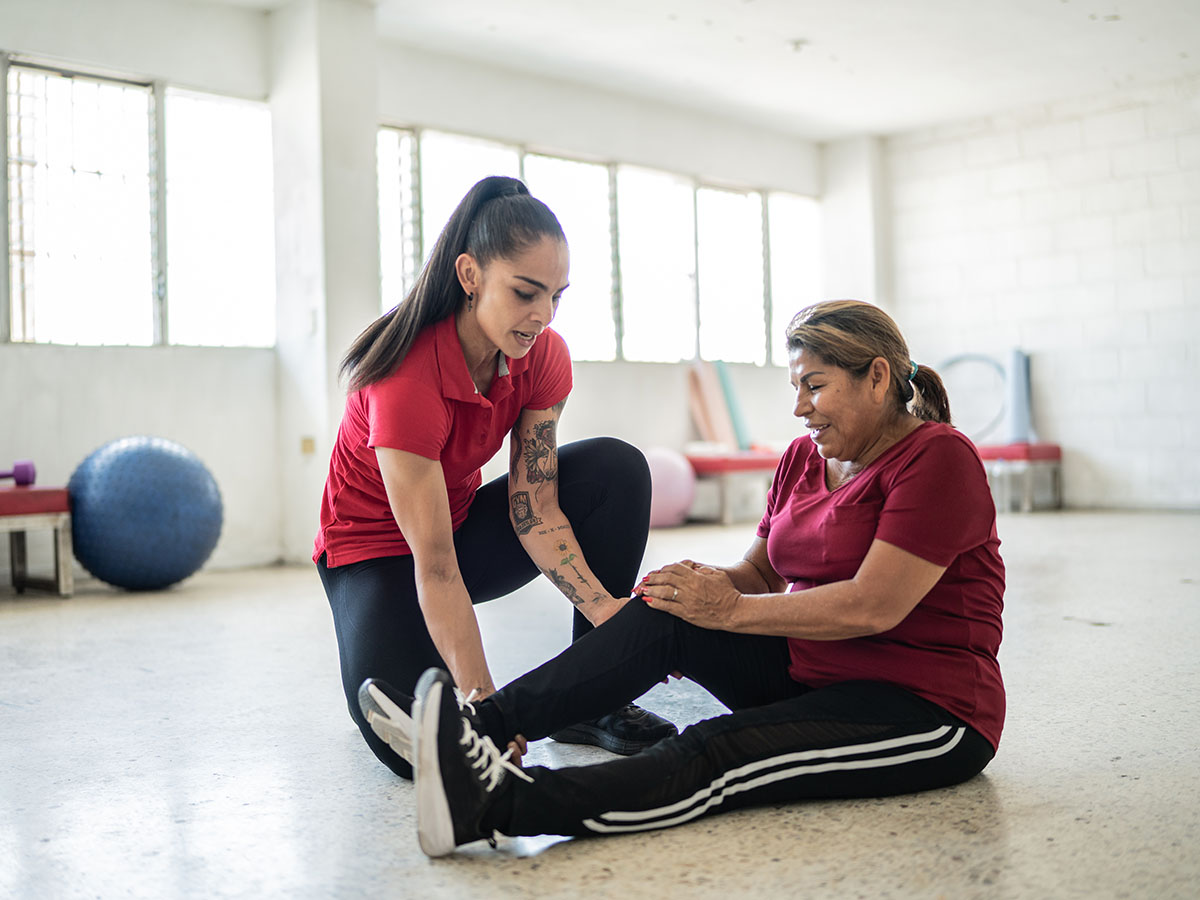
<point>672,487</point>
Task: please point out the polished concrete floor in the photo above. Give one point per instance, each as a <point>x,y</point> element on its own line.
<point>194,743</point>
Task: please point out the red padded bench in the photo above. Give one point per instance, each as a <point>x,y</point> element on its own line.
<point>28,507</point>
<point>725,467</point>
<point>1007,462</point>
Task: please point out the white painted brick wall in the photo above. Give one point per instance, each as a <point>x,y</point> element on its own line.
<point>1071,230</point>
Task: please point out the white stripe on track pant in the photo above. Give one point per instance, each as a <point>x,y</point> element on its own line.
<point>868,755</point>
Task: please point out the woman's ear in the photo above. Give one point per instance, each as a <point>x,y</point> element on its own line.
<point>880,375</point>
<point>468,272</point>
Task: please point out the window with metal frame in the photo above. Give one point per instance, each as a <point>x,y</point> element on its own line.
<point>794,229</point>
<point>692,270</point>
<point>220,221</point>
<point>730,270</point>
<point>80,214</point>
<point>399,214</point>
<point>578,193</point>
<point>657,250</point>
<point>116,190</point>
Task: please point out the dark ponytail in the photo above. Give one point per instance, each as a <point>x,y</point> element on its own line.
<point>928,396</point>
<point>497,218</point>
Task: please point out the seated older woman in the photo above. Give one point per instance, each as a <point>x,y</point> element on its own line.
<point>855,643</point>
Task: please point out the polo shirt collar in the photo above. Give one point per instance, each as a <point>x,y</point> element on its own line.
<point>456,377</point>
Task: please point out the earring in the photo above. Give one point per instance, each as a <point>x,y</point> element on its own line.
<point>470,302</point>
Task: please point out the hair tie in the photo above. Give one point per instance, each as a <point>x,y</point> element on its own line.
<point>913,373</point>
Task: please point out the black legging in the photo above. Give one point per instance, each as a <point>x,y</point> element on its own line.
<point>604,490</point>
<point>783,741</point>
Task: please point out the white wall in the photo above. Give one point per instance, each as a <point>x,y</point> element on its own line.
<point>207,46</point>
<point>1071,230</point>
<point>419,88</point>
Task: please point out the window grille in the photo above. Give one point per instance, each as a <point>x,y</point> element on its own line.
<point>79,208</point>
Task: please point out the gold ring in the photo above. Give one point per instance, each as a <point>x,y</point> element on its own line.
<point>675,596</point>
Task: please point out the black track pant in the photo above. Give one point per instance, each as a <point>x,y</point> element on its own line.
<point>782,742</point>
<point>604,490</point>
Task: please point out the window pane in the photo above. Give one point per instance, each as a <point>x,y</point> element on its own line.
<point>796,278</point>
<point>732,320</point>
<point>398,251</point>
<point>220,222</point>
<point>450,166</point>
<point>578,194</point>
<point>79,209</point>
<point>657,233</point>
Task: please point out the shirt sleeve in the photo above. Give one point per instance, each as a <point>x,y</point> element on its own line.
<point>406,414</point>
<point>939,505</point>
<point>551,373</point>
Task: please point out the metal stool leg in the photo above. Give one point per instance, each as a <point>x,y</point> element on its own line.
<point>16,552</point>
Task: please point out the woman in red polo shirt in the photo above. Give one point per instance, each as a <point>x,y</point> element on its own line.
<point>409,537</point>
<point>855,643</point>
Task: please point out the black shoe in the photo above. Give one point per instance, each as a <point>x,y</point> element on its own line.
<point>459,772</point>
<point>629,730</point>
<point>389,713</point>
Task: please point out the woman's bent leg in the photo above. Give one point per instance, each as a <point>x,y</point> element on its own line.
<point>604,490</point>
<point>624,658</point>
<point>380,634</point>
<point>858,739</point>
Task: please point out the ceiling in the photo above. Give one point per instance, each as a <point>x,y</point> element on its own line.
<point>816,68</point>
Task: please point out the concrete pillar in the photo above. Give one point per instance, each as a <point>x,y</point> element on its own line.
<point>324,111</point>
<point>856,221</point>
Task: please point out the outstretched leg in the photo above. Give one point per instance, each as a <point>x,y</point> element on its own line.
<point>856,739</point>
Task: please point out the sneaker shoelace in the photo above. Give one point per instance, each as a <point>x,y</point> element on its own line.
<point>489,761</point>
<point>466,701</point>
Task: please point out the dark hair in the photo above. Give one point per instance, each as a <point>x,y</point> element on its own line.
<point>497,218</point>
<point>851,334</point>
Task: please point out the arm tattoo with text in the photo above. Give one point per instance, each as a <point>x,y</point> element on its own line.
<point>523,518</point>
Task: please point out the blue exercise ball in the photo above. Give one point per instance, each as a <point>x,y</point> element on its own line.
<point>145,513</point>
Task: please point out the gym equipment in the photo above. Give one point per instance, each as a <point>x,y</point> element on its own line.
<point>146,512</point>
<point>987,393</point>
<point>672,487</point>
<point>23,472</point>
<point>31,508</point>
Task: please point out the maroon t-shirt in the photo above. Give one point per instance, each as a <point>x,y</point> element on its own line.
<point>428,406</point>
<point>926,494</point>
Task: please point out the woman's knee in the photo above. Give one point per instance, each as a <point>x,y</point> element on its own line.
<point>607,458</point>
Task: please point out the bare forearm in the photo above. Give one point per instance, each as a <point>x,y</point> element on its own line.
<point>451,621</point>
<point>747,578</point>
<point>554,549</point>
<point>830,612</point>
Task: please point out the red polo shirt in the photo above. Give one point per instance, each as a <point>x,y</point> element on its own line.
<point>428,406</point>
<point>926,494</point>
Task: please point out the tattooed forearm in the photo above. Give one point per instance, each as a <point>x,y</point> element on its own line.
<point>546,531</point>
<point>568,559</point>
<point>570,591</point>
<point>523,518</point>
<point>563,585</point>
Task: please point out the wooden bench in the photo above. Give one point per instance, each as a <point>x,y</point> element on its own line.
<point>726,467</point>
<point>29,507</point>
